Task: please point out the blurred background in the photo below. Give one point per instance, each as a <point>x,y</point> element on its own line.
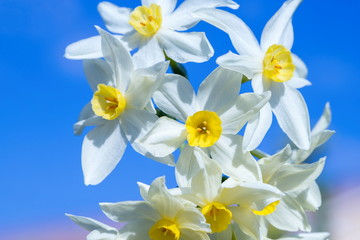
<point>43,93</point>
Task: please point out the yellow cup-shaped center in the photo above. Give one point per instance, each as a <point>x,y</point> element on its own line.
<point>204,129</point>
<point>277,64</point>
<point>268,209</point>
<point>146,20</point>
<point>108,102</point>
<point>217,215</point>
<point>164,229</point>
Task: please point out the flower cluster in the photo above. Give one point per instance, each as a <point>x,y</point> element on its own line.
<point>227,189</point>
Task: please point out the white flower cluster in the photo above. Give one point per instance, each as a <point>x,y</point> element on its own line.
<point>227,189</point>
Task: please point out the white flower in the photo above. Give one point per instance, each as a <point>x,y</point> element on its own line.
<point>272,67</point>
<point>228,203</point>
<point>292,180</point>
<point>117,108</point>
<point>210,120</point>
<point>154,28</point>
<point>160,216</point>
<point>98,230</point>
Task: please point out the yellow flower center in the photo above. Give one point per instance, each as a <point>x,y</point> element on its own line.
<point>146,20</point>
<point>108,102</point>
<point>277,64</point>
<point>164,229</point>
<point>217,215</point>
<point>268,209</point>
<point>204,129</point>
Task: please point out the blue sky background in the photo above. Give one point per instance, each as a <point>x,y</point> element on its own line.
<point>42,94</point>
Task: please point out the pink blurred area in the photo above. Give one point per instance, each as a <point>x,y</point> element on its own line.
<point>344,213</point>
<point>52,230</point>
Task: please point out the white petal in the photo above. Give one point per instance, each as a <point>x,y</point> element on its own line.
<point>164,137</point>
<point>176,97</point>
<point>227,151</point>
<point>129,211</point>
<point>190,234</point>
<point>135,124</point>
<point>97,71</point>
<point>296,177</point>
<point>88,48</point>
<point>160,198</point>
<point>259,84</point>
<point>100,234</point>
<point>240,34</point>
<point>269,165</point>
<point>292,114</point>
<point>219,90</point>
<point>300,155</point>
<point>118,57</point>
<point>87,118</point>
<point>324,121</point>
<point>182,19</point>
<point>301,69</point>
<point>134,232</point>
<point>247,65</point>
<point>143,84</point>
<point>149,52</point>
<point>167,6</point>
<point>207,182</point>
<point>277,29</point>
<point>185,47</point>
<point>289,216</point>
<point>89,223</point>
<point>257,128</point>
<point>247,221</point>
<point>297,82</point>
<point>102,149</point>
<point>116,18</point>
<point>310,198</point>
<point>192,219</point>
<point>319,135</point>
<point>247,105</point>
<point>245,194</point>
<point>188,165</point>
<point>144,189</point>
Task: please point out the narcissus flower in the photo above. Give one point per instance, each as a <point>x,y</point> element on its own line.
<point>210,120</point>
<point>292,180</point>
<point>121,94</point>
<point>154,28</point>
<point>161,216</point>
<point>272,67</point>
<point>228,203</point>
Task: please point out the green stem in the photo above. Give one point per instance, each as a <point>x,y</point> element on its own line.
<point>258,153</point>
<point>177,68</point>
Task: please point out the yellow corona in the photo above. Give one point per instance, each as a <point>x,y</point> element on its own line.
<point>217,215</point>
<point>108,102</point>
<point>268,209</point>
<point>164,229</point>
<point>277,64</point>
<point>146,20</point>
<point>204,129</point>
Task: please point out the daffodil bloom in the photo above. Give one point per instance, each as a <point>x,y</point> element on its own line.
<point>210,120</point>
<point>291,179</point>
<point>228,203</point>
<point>272,67</point>
<point>161,216</point>
<point>98,230</point>
<point>121,94</point>
<point>154,28</point>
